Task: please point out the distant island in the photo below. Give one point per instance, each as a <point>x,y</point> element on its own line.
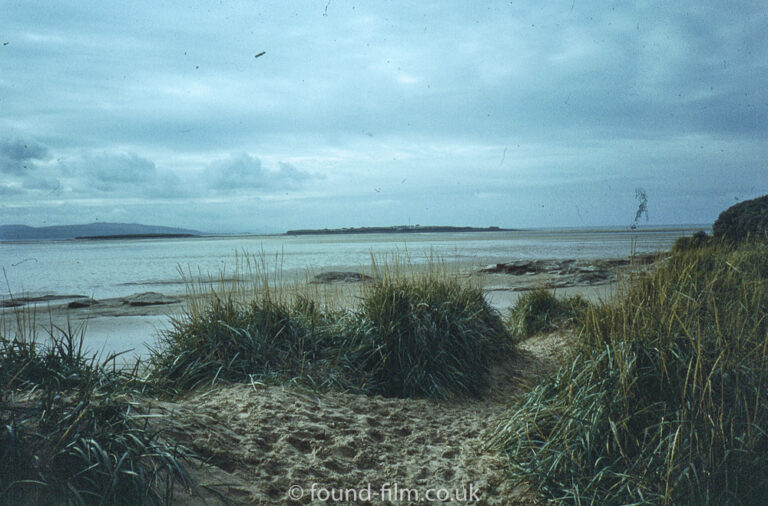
<point>100,230</point>
<point>398,229</point>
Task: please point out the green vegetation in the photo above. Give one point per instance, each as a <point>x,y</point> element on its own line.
<point>746,220</point>
<point>72,432</point>
<point>423,336</point>
<point>233,341</point>
<point>541,311</point>
<point>665,398</point>
<point>698,240</point>
<point>413,334</point>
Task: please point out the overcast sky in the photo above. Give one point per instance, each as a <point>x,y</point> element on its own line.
<point>507,113</point>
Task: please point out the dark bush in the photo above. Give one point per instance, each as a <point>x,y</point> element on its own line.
<point>541,311</point>
<point>232,341</point>
<point>698,240</point>
<point>72,431</point>
<point>745,220</point>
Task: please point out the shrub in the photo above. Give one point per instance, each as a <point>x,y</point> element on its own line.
<point>413,335</point>
<point>665,398</point>
<point>71,432</point>
<point>745,220</point>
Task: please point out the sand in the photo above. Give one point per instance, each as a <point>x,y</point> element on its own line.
<point>260,441</point>
<point>260,444</point>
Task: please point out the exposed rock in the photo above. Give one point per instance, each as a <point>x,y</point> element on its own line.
<point>20,301</point>
<point>567,273</point>
<point>595,268</point>
<point>149,299</point>
<point>340,277</point>
<point>80,303</point>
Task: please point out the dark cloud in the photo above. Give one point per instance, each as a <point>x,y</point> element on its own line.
<point>654,94</point>
<point>17,157</point>
<point>118,169</point>
<point>242,171</point>
<point>119,174</point>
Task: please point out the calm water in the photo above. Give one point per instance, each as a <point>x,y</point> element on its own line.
<point>104,269</point>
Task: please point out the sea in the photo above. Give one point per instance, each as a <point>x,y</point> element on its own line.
<point>117,268</point>
<point>103,269</point>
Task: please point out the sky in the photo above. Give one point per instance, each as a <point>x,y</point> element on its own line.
<point>373,113</point>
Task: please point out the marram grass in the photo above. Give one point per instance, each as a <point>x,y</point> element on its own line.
<point>424,334</point>
<point>72,431</point>
<point>539,310</point>
<point>415,331</point>
<point>665,399</point>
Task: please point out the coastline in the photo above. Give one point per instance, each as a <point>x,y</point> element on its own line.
<point>256,442</point>
<point>131,322</point>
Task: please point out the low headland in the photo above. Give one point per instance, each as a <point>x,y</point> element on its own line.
<point>654,393</point>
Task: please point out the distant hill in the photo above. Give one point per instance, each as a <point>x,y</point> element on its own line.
<point>100,230</point>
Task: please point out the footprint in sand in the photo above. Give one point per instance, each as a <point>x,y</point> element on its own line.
<point>347,451</point>
<point>302,445</point>
<point>375,435</point>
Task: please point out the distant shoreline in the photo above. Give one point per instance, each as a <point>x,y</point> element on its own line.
<point>134,236</point>
<point>400,229</point>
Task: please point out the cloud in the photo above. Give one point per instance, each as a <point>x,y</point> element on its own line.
<point>41,183</point>
<point>17,157</point>
<point>170,104</point>
<point>9,190</point>
<point>243,172</point>
<point>119,174</point>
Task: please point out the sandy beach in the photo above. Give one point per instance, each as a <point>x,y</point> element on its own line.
<point>258,443</point>
<point>128,323</point>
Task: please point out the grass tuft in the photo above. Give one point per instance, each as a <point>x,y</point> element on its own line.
<point>412,333</point>
<point>540,310</point>
<point>73,431</point>
<point>665,399</point>
<point>425,335</point>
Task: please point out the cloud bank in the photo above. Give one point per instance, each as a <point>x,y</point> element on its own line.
<point>494,113</point>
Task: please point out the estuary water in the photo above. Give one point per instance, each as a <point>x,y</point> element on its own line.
<point>116,268</point>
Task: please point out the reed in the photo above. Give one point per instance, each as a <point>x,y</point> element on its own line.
<point>664,398</point>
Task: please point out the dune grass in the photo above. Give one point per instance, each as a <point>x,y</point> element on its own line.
<point>540,310</point>
<point>72,431</point>
<point>665,398</point>
<point>423,334</point>
<point>414,332</point>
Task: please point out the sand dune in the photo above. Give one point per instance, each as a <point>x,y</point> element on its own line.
<point>260,441</point>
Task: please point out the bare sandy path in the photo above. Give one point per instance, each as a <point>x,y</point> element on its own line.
<point>263,443</point>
